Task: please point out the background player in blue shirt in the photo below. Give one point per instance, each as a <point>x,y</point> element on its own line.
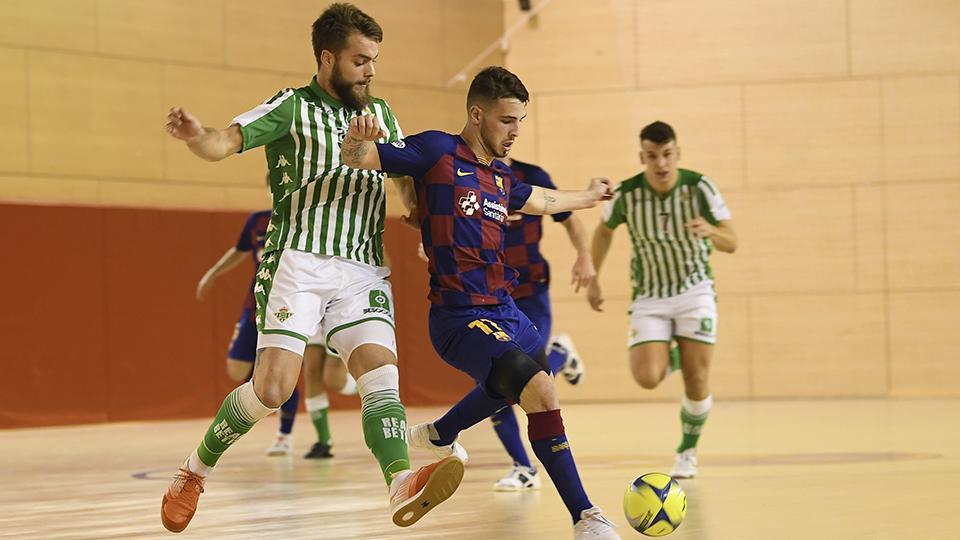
<point>463,197</point>
<point>318,372</point>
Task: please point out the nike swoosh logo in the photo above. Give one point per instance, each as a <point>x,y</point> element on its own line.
<point>461,173</point>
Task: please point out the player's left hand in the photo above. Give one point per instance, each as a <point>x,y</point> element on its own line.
<point>583,273</point>
<point>601,188</point>
<point>700,227</point>
<point>365,128</point>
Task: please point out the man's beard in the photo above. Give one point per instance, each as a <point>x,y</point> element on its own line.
<point>346,90</point>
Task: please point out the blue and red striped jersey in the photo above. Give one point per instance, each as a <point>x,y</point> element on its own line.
<point>251,239</point>
<point>463,206</point>
<point>523,236</point>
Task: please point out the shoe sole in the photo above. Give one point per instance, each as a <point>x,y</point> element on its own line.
<point>443,482</point>
<point>169,525</point>
<point>507,489</point>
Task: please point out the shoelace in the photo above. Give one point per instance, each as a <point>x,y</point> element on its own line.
<point>180,480</point>
<point>595,522</point>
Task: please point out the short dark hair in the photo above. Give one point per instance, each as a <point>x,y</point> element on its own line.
<point>495,82</point>
<point>658,132</point>
<point>334,26</point>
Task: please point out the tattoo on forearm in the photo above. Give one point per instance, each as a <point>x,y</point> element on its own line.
<point>353,150</point>
<point>547,201</point>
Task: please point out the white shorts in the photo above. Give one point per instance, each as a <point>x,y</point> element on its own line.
<point>691,314</point>
<point>303,298</point>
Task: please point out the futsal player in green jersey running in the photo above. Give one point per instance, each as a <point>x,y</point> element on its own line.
<point>322,263</point>
<point>675,218</point>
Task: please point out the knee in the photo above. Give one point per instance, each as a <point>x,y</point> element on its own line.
<point>272,391</point>
<point>646,378</point>
<point>695,379</point>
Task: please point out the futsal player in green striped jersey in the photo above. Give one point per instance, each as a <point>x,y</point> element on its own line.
<point>322,263</point>
<point>675,218</point>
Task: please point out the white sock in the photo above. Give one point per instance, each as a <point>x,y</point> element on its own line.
<point>194,465</point>
<point>318,402</point>
<point>349,387</point>
<point>697,408</point>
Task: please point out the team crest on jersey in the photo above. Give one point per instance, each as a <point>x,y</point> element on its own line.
<point>283,314</point>
<point>684,195</point>
<point>468,203</point>
<point>399,144</point>
<point>499,181</point>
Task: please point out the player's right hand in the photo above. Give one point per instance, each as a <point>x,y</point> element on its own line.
<point>203,288</point>
<point>595,296</point>
<point>183,125</point>
<point>365,128</point>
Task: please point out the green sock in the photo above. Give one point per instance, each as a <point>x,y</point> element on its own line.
<point>321,424</point>
<point>385,431</point>
<point>233,420</point>
<point>675,358</point>
<point>691,425</point>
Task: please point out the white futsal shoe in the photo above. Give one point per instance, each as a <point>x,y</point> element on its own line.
<point>282,445</point>
<point>519,478</point>
<point>573,369</point>
<point>593,526</point>
<point>418,436</point>
<point>686,464</point>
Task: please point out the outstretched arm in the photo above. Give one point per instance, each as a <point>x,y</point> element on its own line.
<point>602,238</point>
<point>228,262</point>
<point>583,271</point>
<point>208,143</point>
<point>550,201</point>
<point>357,149</point>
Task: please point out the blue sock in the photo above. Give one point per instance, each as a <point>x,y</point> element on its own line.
<point>470,410</point>
<point>288,411</point>
<point>549,442</point>
<point>505,424</point>
<point>556,358</point>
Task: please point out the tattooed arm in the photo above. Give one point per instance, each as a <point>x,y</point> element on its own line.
<point>551,201</point>
<point>357,150</point>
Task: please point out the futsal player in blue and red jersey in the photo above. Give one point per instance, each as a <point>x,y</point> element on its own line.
<point>463,196</point>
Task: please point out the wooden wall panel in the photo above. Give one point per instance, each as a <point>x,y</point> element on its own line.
<point>706,43</point>
<point>818,345</point>
<point>579,138</point>
<point>56,24</point>
<point>411,37</point>
<point>921,127</point>
<point>890,36</point>
<point>923,359</point>
<point>161,195</point>
<point>13,107</point>
<point>813,133</point>
<point>216,96</point>
<point>574,45</point>
<point>178,30</point>
<point>464,38</point>
<point>732,364</point>
<point>922,235</point>
<point>247,198</point>
<point>278,41</point>
<point>421,109</point>
<point>790,241</point>
<point>43,189</point>
<point>94,116</point>
<point>870,222</point>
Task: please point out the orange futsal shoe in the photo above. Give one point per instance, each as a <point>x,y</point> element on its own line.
<point>413,494</point>
<point>180,501</point>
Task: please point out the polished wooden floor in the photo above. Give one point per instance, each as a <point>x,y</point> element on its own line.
<point>880,469</point>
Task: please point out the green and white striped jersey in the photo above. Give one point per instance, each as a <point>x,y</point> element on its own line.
<point>319,205</point>
<point>667,260</point>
